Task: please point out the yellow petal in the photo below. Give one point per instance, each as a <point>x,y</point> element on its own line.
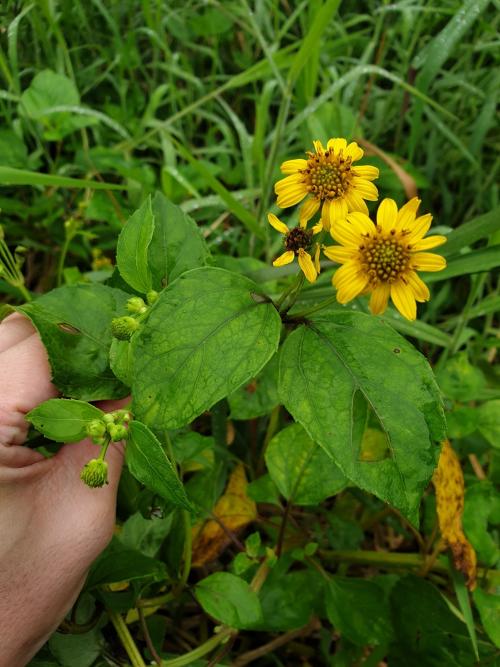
<point>285,258</point>
<point>379,298</point>
<point>307,266</point>
<point>419,288</point>
<point>337,145</point>
<point>317,228</point>
<point>346,234</point>
<point>308,209</point>
<point>325,215</point>
<point>404,299</point>
<point>407,213</point>
<point>291,196</point>
<point>354,151</point>
<point>418,228</point>
<point>427,261</point>
<point>277,224</point>
<point>387,215</point>
<point>317,253</point>
<point>292,166</point>
<point>338,253</point>
<point>429,242</point>
<point>318,147</point>
<point>355,201</point>
<point>285,183</point>
<point>349,281</point>
<point>338,210</point>
<point>366,171</point>
<point>361,223</point>
<point>365,188</point>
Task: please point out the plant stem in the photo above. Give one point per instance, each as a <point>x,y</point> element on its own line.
<point>27,296</point>
<point>200,651</point>
<point>288,291</point>
<point>187,554</point>
<point>314,309</point>
<point>389,560</point>
<point>126,639</point>
<point>62,260</point>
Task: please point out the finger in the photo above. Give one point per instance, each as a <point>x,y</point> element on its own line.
<point>24,379</point>
<point>14,329</point>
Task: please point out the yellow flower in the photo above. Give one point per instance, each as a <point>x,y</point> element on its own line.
<point>384,258</point>
<point>297,242</point>
<point>330,179</point>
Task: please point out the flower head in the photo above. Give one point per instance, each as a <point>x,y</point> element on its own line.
<point>383,258</point>
<point>297,243</point>
<point>328,178</point>
<point>95,473</point>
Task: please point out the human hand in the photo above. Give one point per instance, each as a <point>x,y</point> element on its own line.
<point>52,526</point>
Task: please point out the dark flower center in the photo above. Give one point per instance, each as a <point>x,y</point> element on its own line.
<point>298,238</point>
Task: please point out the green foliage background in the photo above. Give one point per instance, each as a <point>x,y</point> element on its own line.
<point>104,103</point>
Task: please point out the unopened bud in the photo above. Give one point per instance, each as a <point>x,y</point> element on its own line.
<point>136,305</point>
<point>117,432</point>
<point>123,327</point>
<point>152,296</point>
<point>95,473</point>
<point>96,428</point>
<point>108,418</point>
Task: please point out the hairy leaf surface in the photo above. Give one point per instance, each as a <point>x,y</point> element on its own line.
<point>74,323</point>
<point>339,361</point>
<point>210,332</point>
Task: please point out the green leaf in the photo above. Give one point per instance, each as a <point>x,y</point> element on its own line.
<point>470,232</point>
<point>41,100</point>
<point>289,599</point>
<point>301,469</point>
<point>118,563</point>
<point>76,650</point>
<point>177,244</point>
<point>259,396</point>
<point>359,610</point>
<point>427,631</point>
<point>477,261</point>
<point>321,20</point>
<point>149,464</point>
<point>488,607</point>
<point>145,535</point>
<point>460,380</point>
<point>121,360</point>
<point>11,176</point>
<point>132,249</point>
<point>233,205</point>
<point>220,333</point>
<point>63,420</point>
<point>331,368</point>
<point>481,507</point>
<point>229,599</point>
<point>74,323</point>
<point>488,416</point>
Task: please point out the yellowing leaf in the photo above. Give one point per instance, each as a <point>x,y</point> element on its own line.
<point>449,484</point>
<point>234,510</point>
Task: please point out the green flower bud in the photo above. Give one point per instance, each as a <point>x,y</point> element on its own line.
<point>136,305</point>
<point>123,327</point>
<point>117,432</point>
<point>109,418</point>
<point>152,297</point>
<point>95,473</point>
<point>96,428</point>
